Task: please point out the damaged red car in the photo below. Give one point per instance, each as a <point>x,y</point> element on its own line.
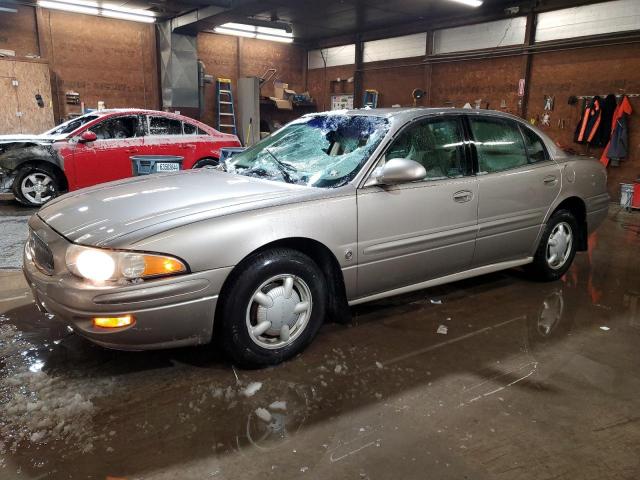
<point>97,147</point>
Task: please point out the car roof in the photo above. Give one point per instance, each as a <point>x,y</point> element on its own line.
<point>146,111</point>
<point>408,113</point>
<point>112,111</point>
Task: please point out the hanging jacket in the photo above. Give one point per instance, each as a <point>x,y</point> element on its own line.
<point>620,132</point>
<point>619,147</point>
<point>590,122</point>
<point>609,106</point>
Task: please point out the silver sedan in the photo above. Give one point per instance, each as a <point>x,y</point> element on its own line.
<point>332,210</point>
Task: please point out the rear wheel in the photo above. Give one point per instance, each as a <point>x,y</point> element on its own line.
<point>36,185</point>
<point>557,247</point>
<point>272,307</point>
<point>206,163</point>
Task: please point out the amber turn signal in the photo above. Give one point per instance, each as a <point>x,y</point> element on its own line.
<point>158,266</point>
<point>113,322</point>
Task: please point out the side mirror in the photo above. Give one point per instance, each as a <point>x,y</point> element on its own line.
<point>87,136</point>
<point>398,170</point>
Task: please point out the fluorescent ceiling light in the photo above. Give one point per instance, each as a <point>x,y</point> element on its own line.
<point>132,11</point>
<point>8,10</point>
<point>275,31</point>
<point>127,16</point>
<point>470,3</point>
<point>238,33</point>
<point>252,31</point>
<point>67,7</point>
<point>274,38</point>
<point>239,26</point>
<point>99,8</point>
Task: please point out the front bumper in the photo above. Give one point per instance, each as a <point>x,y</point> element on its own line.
<point>6,181</point>
<point>172,312</point>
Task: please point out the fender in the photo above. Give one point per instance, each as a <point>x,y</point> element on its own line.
<point>231,238</point>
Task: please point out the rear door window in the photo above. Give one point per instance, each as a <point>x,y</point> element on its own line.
<point>189,129</point>
<point>498,144</point>
<point>159,125</point>
<point>535,147</point>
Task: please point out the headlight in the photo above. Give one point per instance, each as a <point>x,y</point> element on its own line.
<point>100,265</point>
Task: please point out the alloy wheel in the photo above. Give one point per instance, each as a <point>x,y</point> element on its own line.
<point>38,188</point>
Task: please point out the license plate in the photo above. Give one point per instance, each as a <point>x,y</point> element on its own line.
<point>167,167</point>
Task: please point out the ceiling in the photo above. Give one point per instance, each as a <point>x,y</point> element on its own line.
<point>313,19</point>
<point>321,19</point>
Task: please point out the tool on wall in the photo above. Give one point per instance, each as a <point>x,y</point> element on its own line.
<point>224,105</point>
<point>266,76</point>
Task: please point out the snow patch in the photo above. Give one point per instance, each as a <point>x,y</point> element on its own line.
<point>279,405</point>
<point>252,389</point>
<point>38,407</point>
<point>263,414</point>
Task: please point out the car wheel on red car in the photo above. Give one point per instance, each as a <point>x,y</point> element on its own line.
<point>36,185</point>
<point>206,163</point>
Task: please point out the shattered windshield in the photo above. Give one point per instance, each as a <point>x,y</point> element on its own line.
<point>321,151</point>
<point>70,125</point>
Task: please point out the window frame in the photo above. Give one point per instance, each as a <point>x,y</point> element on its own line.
<point>547,156</point>
<point>468,160</point>
<point>506,121</point>
<point>196,131</point>
<point>140,131</point>
<point>148,125</point>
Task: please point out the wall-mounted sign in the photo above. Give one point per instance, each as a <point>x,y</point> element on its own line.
<point>341,102</point>
<point>521,87</point>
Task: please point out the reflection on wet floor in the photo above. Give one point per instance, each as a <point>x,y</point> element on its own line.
<point>495,377</point>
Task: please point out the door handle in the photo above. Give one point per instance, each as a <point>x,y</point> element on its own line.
<point>462,196</point>
<point>132,150</point>
<point>189,145</point>
<point>550,180</point>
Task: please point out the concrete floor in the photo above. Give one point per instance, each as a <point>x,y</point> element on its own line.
<point>531,381</point>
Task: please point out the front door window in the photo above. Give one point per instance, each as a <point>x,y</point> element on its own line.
<point>435,144</point>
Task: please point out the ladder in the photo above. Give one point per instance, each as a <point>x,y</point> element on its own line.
<point>224,101</point>
<point>370,99</point>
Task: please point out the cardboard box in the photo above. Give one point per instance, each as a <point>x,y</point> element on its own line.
<point>281,91</point>
<point>282,104</point>
<point>279,88</point>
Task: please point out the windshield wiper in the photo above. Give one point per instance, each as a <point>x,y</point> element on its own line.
<point>282,167</point>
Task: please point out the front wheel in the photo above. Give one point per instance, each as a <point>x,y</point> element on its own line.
<point>35,186</point>
<point>272,307</point>
<point>557,247</point>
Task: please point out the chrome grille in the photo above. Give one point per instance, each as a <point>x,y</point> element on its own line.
<point>41,253</point>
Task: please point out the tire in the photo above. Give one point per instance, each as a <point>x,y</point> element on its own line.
<point>563,227</point>
<point>270,273</point>
<point>206,163</point>
<point>36,185</point>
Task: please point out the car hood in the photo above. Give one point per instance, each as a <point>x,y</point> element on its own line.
<point>132,209</point>
<point>18,138</point>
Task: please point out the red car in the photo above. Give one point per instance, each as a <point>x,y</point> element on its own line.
<point>97,147</point>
